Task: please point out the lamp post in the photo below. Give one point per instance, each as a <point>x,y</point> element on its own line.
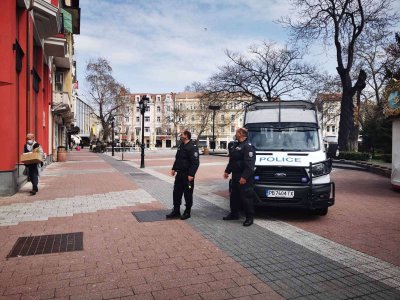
<point>142,106</point>
<point>213,108</point>
<point>112,135</point>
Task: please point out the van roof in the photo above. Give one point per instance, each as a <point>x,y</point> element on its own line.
<point>283,111</point>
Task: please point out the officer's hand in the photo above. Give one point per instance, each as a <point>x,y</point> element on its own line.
<point>242,180</point>
<point>190,178</point>
<point>226,175</point>
<point>172,172</point>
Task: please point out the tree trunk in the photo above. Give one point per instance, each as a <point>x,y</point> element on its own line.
<point>346,123</point>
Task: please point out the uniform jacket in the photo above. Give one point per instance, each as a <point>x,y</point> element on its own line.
<point>242,159</point>
<point>187,158</point>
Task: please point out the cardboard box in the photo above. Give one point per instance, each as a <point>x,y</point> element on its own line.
<point>31,158</point>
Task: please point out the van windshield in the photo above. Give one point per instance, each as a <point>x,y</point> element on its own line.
<point>284,137</point>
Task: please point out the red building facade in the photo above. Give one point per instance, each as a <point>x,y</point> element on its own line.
<point>25,80</point>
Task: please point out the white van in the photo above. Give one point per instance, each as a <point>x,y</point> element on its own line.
<point>291,165</point>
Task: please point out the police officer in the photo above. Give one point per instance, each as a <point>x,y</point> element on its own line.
<point>242,159</point>
<point>185,167</point>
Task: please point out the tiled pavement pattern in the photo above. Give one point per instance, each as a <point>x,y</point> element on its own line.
<point>63,207</point>
<point>122,258</point>
<point>286,265</point>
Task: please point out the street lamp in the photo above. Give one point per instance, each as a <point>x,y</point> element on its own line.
<point>112,135</point>
<point>213,108</point>
<point>142,106</point>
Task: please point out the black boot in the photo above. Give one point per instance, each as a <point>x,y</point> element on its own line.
<point>175,213</point>
<point>230,217</point>
<point>248,221</point>
<point>186,214</point>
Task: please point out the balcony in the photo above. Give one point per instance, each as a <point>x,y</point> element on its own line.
<point>61,102</point>
<point>55,47</point>
<point>47,18</point>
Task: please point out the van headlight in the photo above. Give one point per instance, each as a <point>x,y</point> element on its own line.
<point>321,169</point>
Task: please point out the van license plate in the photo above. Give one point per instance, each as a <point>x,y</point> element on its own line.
<point>279,194</point>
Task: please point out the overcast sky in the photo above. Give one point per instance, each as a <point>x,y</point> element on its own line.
<point>162,46</point>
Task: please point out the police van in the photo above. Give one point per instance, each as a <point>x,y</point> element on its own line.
<point>291,165</point>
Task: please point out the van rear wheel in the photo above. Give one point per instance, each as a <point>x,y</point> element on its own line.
<point>321,211</point>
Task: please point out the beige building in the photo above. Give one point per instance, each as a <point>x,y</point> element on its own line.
<point>329,113</point>
<point>168,114</point>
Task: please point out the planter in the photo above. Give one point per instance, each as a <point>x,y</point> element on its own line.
<point>206,151</point>
<point>61,154</point>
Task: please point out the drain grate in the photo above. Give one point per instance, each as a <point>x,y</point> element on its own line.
<point>150,215</point>
<point>45,244</point>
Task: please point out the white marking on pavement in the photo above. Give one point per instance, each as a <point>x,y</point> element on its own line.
<point>370,266</point>
<point>60,207</point>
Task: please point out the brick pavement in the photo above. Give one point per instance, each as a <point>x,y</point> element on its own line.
<point>329,269</point>
<point>122,258</point>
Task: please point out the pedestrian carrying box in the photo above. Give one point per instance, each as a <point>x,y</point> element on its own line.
<point>31,158</point>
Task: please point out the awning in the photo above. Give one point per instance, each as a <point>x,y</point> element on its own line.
<point>73,8</point>
<point>55,46</point>
<point>46,18</point>
<point>60,108</point>
<point>62,62</point>
<point>67,21</point>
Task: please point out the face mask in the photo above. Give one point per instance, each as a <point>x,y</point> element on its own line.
<point>30,142</point>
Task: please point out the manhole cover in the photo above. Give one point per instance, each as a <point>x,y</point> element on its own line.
<point>150,215</point>
<point>45,244</point>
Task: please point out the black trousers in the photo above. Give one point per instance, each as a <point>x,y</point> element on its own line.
<point>182,187</point>
<point>242,195</point>
<point>34,176</point>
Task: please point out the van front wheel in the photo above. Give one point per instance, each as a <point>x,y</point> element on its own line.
<point>321,211</point>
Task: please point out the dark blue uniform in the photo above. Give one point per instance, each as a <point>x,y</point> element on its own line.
<point>186,164</point>
<point>242,158</point>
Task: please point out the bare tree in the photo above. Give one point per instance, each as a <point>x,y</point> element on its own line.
<point>195,86</point>
<point>177,117</point>
<point>342,23</point>
<point>393,51</point>
<point>374,59</point>
<point>267,72</point>
<point>106,94</point>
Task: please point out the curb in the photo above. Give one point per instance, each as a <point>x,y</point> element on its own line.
<point>363,166</point>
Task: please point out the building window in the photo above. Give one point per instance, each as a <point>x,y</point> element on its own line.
<point>158,98</point>
<point>192,118</point>
<point>168,108</point>
<point>232,117</point>
<point>232,128</point>
<point>137,119</point>
<point>158,119</point>
<point>59,81</point>
<point>333,129</point>
<point>127,119</point>
<point>137,98</point>
<point>147,119</point>
<point>327,128</point>
<point>158,109</point>
<point>137,109</point>
<point>222,118</point>
<point>147,129</point>
<point>147,108</point>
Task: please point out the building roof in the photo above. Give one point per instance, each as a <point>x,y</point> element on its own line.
<point>190,95</point>
<point>329,97</point>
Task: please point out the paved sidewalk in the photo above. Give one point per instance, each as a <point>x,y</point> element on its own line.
<point>121,257</point>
